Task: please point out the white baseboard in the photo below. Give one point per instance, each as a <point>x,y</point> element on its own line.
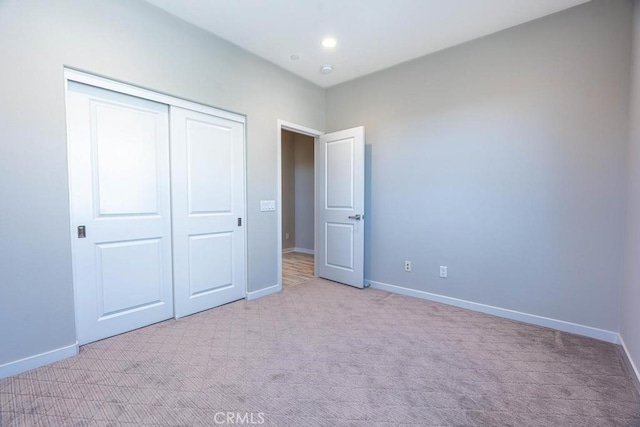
<point>304,251</point>
<point>301,250</point>
<point>561,325</point>
<point>32,362</point>
<point>264,292</point>
<point>631,362</point>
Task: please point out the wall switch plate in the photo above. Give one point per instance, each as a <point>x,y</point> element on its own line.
<point>286,236</point>
<point>267,205</point>
<point>407,266</point>
<point>443,271</point>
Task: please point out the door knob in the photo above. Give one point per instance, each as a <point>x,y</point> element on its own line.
<point>357,217</point>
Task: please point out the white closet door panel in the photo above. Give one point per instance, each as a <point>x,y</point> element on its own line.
<point>120,192</point>
<point>207,155</point>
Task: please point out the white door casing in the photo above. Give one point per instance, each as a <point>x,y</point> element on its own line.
<point>340,206</point>
<point>207,185</point>
<point>120,192</point>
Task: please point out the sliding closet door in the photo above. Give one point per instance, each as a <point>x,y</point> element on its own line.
<point>120,211</point>
<point>207,181</point>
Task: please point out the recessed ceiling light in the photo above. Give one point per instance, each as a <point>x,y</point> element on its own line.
<point>326,69</point>
<point>294,57</point>
<point>329,42</point>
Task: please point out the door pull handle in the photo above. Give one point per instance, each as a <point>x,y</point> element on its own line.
<point>357,217</point>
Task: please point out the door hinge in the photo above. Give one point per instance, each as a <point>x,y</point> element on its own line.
<point>239,222</point>
<point>82,232</point>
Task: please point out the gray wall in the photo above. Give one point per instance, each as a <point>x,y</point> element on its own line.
<point>304,204</point>
<point>136,43</point>
<point>288,190</point>
<point>503,159</point>
<point>630,318</point>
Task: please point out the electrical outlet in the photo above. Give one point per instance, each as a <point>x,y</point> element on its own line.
<point>443,271</point>
<point>407,266</point>
<point>286,236</point>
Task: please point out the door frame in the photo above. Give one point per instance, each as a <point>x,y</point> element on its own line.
<point>79,76</point>
<point>284,125</point>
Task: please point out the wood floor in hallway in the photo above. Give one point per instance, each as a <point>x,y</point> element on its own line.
<point>296,268</point>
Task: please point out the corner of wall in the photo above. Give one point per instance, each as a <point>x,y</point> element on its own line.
<point>630,293</point>
<point>629,365</point>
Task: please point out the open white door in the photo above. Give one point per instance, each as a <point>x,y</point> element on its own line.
<point>340,206</point>
<point>120,211</point>
<point>207,184</point>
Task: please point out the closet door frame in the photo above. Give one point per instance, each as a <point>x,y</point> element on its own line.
<point>75,75</point>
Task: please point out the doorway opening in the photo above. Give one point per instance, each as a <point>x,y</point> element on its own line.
<point>338,204</point>
<point>296,187</point>
<point>298,237</point>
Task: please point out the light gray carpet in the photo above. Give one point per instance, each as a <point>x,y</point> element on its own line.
<point>326,354</point>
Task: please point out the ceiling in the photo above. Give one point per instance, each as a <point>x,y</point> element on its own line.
<point>371,34</point>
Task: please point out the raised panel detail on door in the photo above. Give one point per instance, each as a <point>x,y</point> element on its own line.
<point>340,206</point>
<point>210,263</point>
<point>125,156</point>
<point>120,193</point>
<point>207,180</point>
<point>339,248</point>
<point>122,290</point>
<point>340,174</point>
<point>210,167</point>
